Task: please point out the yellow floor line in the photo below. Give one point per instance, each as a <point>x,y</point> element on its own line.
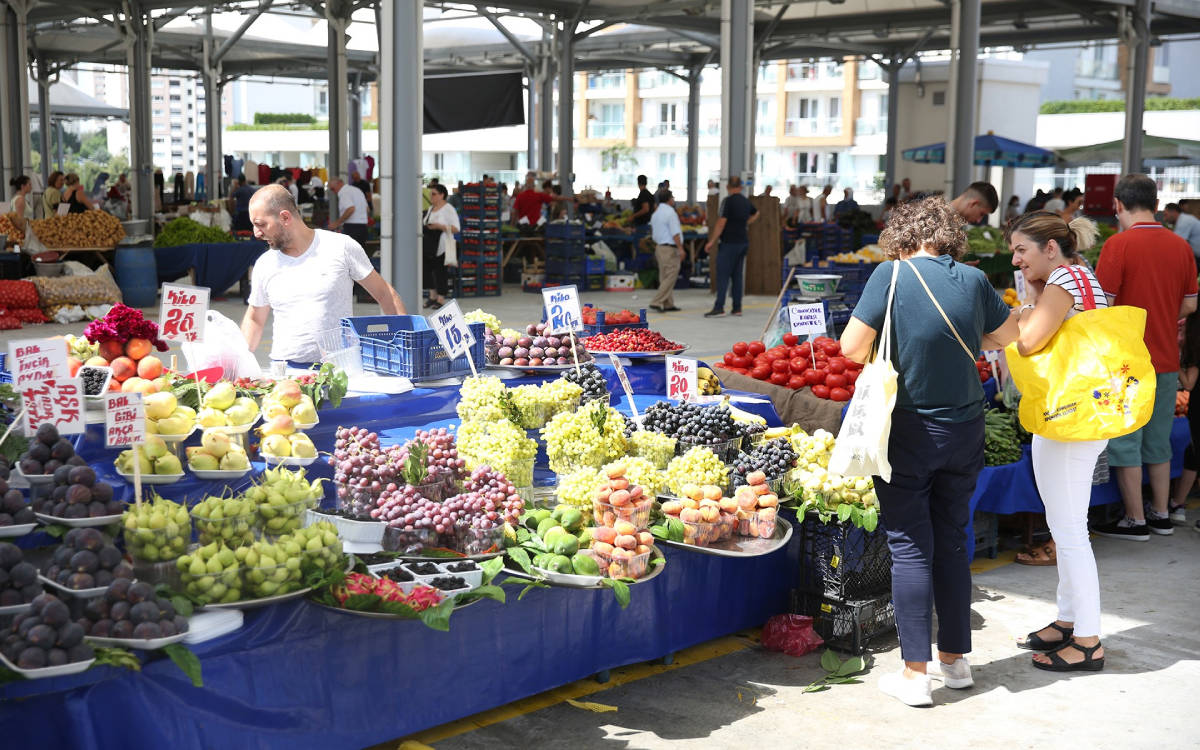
<point>984,564</point>
<point>579,689</point>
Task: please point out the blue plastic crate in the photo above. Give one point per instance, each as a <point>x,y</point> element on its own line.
<point>565,248</point>
<point>601,326</point>
<point>564,231</point>
<point>595,266</point>
<point>561,267</point>
<point>405,345</point>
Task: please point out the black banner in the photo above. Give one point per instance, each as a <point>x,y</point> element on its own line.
<point>471,102</point>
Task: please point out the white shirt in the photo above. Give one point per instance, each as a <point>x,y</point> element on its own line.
<point>308,294</point>
<point>1188,227</point>
<point>664,224</point>
<point>446,216</point>
<point>1061,277</point>
<point>295,191</point>
<point>352,196</point>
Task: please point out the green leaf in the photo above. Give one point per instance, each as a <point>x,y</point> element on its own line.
<point>117,657</point>
<point>676,528</point>
<point>492,568</point>
<point>832,680</point>
<point>816,687</point>
<point>871,519</point>
<point>187,662</point>
<point>438,618</point>
<point>7,675</point>
<point>399,609</point>
<point>530,587</point>
<point>55,530</point>
<point>521,558</point>
<point>659,532</point>
<point>830,662</point>
<point>487,592</point>
<point>362,602</point>
<point>856,515</point>
<point>843,512</point>
<point>183,605</point>
<point>620,590</point>
<point>850,666</point>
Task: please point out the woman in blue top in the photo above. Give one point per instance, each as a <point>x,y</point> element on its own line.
<point>943,312</point>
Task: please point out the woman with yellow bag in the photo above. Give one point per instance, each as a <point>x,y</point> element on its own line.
<point>1047,361</point>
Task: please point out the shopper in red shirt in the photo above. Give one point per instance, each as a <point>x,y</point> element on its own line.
<point>1147,265</point>
<point>528,203</point>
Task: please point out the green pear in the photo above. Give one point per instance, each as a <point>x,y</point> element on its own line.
<point>168,464</point>
<point>221,396</point>
<point>215,442</point>
<point>240,414</point>
<point>276,445</point>
<point>272,409</point>
<point>154,447</point>
<point>248,402</point>
<point>203,461</point>
<point>186,412</point>
<point>212,417</point>
<point>303,413</point>
<point>234,461</point>
<point>302,446</point>
<point>151,427</point>
<point>160,405</point>
<point>173,425</point>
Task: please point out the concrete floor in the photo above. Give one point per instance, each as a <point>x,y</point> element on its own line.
<point>709,338</point>
<point>753,697</point>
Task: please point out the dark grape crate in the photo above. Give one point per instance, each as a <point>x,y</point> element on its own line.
<point>850,626</point>
<point>842,561</point>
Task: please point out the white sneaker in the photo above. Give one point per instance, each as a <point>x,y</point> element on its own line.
<point>957,675</point>
<point>916,691</point>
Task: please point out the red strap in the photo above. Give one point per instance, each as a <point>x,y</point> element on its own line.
<point>1084,285</point>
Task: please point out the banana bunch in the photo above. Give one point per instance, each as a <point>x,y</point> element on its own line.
<point>740,415</point>
<point>706,382</point>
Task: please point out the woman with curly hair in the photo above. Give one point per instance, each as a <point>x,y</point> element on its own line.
<point>942,313</point>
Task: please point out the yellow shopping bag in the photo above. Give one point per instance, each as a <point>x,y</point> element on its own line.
<point>1093,381</point>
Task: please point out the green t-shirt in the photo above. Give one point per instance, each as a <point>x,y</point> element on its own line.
<point>936,377</point>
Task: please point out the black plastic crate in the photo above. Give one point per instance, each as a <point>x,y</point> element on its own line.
<point>842,561</point>
<point>850,626</point>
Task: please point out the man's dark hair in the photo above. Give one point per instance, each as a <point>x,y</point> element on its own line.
<point>986,193</point>
<point>641,180</point>
<point>665,196</point>
<point>439,189</point>
<point>735,181</point>
<point>1136,191</point>
<point>1172,207</point>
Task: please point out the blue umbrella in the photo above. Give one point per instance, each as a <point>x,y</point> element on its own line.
<point>990,151</point>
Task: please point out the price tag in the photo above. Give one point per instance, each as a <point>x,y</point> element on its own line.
<point>183,312</point>
<point>124,420</point>
<point>34,361</point>
<point>681,378</point>
<point>807,319</point>
<point>1020,285</point>
<point>452,330</point>
<point>993,358</point>
<point>56,402</point>
<point>620,368</point>
<point>562,310</point>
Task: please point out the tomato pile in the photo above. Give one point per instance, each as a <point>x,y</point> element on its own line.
<point>820,366</point>
<point>630,340</point>
<point>619,318</point>
<point>984,368</point>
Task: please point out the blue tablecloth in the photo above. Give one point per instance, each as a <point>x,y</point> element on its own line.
<point>297,675</point>
<point>217,266</point>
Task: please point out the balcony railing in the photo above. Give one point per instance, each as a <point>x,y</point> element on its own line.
<point>661,130</point>
<point>1093,68</point>
<point>606,81</point>
<point>813,126</point>
<point>606,129</point>
<point>814,71</point>
<point>765,127</point>
<point>870,126</point>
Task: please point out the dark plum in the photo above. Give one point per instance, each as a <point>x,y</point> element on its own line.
<point>39,452</point>
<point>23,574</point>
<point>102,492</point>
<point>70,635</point>
<point>51,466</point>
<point>56,657</point>
<point>81,652</point>
<point>80,581</point>
<point>103,577</point>
<point>143,612</point>
<point>109,556</point>
<point>123,570</point>
<point>56,614</point>
<point>62,450</point>
<point>32,658</point>
<point>122,629</point>
<point>119,610</point>
<point>10,555</point>
<point>47,434</point>
<point>167,628</point>
<point>77,494</point>
<point>101,628</point>
<point>84,475</point>
<point>85,561</point>
<point>140,592</point>
<point>147,630</point>
<point>62,475</point>
<point>42,636</point>
<point>117,591</point>
<point>31,467</point>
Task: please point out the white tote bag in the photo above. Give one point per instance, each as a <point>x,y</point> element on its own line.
<point>861,449</point>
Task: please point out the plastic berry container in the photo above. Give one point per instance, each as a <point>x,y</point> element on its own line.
<point>726,525</point>
<point>621,563</point>
<point>700,533</point>
<point>475,541</point>
<point>272,580</point>
<point>234,531</point>
<point>726,450</point>
<point>759,523</point>
<point>408,541</point>
<point>638,514</point>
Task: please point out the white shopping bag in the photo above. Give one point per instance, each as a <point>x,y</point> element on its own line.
<point>861,449</point>
<point>223,347</point>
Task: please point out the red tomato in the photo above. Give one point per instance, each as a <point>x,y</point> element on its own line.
<point>832,348</point>
<point>756,348</point>
<point>820,391</point>
<point>837,364</point>
<point>796,382</point>
<point>760,372</point>
<point>852,376</point>
<point>730,358</point>
<point>774,355</point>
<point>740,348</point>
<point>822,356</point>
<point>779,378</point>
<point>839,394</point>
<point>814,377</point>
<point>780,365</point>
<point>790,339</point>
<point>850,388</point>
<point>836,380</point>
<point>743,362</point>
<point>984,376</point>
<point>799,365</point>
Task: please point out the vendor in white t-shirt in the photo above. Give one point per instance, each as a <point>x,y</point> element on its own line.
<point>306,279</point>
<point>352,202</point>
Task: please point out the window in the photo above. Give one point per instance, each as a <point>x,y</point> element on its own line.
<point>156,98</point>
<point>666,113</point>
<point>174,81</point>
<point>805,162</point>
<point>609,80</point>
<point>158,112</point>
<point>835,107</point>
<point>939,98</point>
<point>176,98</point>
<point>666,161</point>
<point>832,163</point>
<point>439,161</point>
<point>607,120</point>
<point>760,163</point>
<point>322,102</point>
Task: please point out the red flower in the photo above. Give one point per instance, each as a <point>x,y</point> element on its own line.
<point>123,323</point>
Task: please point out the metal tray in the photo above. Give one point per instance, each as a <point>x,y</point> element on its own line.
<point>266,601</point>
<point>77,593</point>
<point>153,479</point>
<point>538,368</point>
<point>741,546</point>
<point>36,480</point>
<point>145,644</point>
<point>381,615</point>
<point>648,355</point>
<point>657,569</point>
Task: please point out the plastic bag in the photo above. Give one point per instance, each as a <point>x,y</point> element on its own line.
<point>223,347</point>
<point>791,634</point>
<point>601,250</point>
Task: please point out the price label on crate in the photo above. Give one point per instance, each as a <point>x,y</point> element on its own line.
<point>124,420</point>
<point>56,402</point>
<point>807,319</point>
<point>452,330</point>
<point>681,378</point>
<point>35,361</point>
<point>562,309</point>
<point>183,312</point>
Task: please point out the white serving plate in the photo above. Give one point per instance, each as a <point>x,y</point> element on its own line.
<point>218,474</point>
<point>77,593</point>
<point>145,644</point>
<point>37,480</point>
<point>152,479</point>
<point>16,609</point>
<point>20,529</point>
<point>79,522</point>
<point>177,438</point>
<point>287,460</point>
<point>263,602</point>
<point>37,674</point>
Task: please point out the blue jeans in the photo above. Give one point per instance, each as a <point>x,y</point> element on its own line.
<point>925,510</point>
<point>731,263</point>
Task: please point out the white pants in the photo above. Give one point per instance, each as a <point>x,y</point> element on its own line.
<point>1063,472</point>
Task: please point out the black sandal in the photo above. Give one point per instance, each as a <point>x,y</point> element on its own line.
<point>1035,642</point>
<point>1059,664</point>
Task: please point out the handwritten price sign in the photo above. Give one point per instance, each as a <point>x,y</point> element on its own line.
<point>681,378</point>
<point>562,309</point>
<point>452,330</point>
<point>124,420</point>
<point>56,402</point>
<point>35,361</point>
<point>184,310</point>
<point>807,319</point>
